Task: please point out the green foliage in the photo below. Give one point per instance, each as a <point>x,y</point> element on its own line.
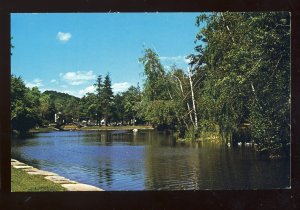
<point>246,66</point>
<point>104,94</point>
<point>118,111</point>
<point>89,106</point>
<point>180,93</point>
<point>156,106</point>
<point>168,100</point>
<point>107,99</point>
<point>160,112</point>
<point>32,108</point>
<point>155,84</point>
<point>68,105</point>
<point>24,106</point>
<point>45,108</point>
<point>132,98</point>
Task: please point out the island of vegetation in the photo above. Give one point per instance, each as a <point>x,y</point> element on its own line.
<point>237,89</point>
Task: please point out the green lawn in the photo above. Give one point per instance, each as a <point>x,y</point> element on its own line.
<point>23,182</point>
<point>129,127</point>
<point>39,130</point>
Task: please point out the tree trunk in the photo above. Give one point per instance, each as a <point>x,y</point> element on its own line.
<point>227,27</point>
<point>187,104</point>
<point>177,116</point>
<point>193,101</point>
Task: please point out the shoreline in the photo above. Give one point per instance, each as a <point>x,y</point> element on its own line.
<point>114,128</point>
<point>68,184</point>
<point>94,128</point>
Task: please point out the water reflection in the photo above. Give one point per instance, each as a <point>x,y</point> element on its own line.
<point>149,160</point>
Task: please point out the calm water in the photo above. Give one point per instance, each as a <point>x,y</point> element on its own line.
<point>148,160</point>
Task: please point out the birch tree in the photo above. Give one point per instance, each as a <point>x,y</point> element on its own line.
<point>245,58</point>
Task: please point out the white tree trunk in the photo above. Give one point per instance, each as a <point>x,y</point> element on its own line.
<point>187,104</point>
<point>227,27</point>
<point>193,100</point>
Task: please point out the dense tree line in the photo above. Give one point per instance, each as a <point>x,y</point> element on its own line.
<point>237,83</point>
<point>237,86</point>
<point>245,65</point>
<point>31,108</point>
<point>26,109</point>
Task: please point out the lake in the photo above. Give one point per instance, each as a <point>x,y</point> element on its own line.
<point>149,160</point>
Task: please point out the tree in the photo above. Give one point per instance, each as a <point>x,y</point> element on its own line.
<point>132,97</point>
<point>100,98</point>
<point>270,82</point>
<point>118,110</point>
<point>34,96</point>
<point>89,107</point>
<point>157,106</point>
<point>49,116</point>
<point>44,107</point>
<point>71,110</point>
<point>107,99</point>
<point>104,96</point>
<point>181,91</point>
<point>245,64</point>
<point>24,115</point>
<point>64,103</point>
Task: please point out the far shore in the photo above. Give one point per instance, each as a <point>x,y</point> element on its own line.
<point>93,128</point>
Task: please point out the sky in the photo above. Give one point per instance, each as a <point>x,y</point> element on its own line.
<point>66,52</point>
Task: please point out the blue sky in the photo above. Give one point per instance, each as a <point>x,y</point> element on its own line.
<point>66,52</point>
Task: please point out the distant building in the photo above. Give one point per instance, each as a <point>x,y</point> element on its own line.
<point>57,117</point>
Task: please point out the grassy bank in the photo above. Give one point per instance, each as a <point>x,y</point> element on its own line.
<point>104,128</point>
<point>47,129</point>
<point>129,127</point>
<point>23,182</point>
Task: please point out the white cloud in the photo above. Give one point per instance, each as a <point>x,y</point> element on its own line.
<point>180,61</point>
<point>53,81</point>
<point>120,87</point>
<point>173,58</point>
<point>89,89</point>
<point>37,80</point>
<point>68,92</point>
<point>167,67</point>
<point>187,60</point>
<point>35,83</point>
<point>63,37</point>
<point>77,78</point>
